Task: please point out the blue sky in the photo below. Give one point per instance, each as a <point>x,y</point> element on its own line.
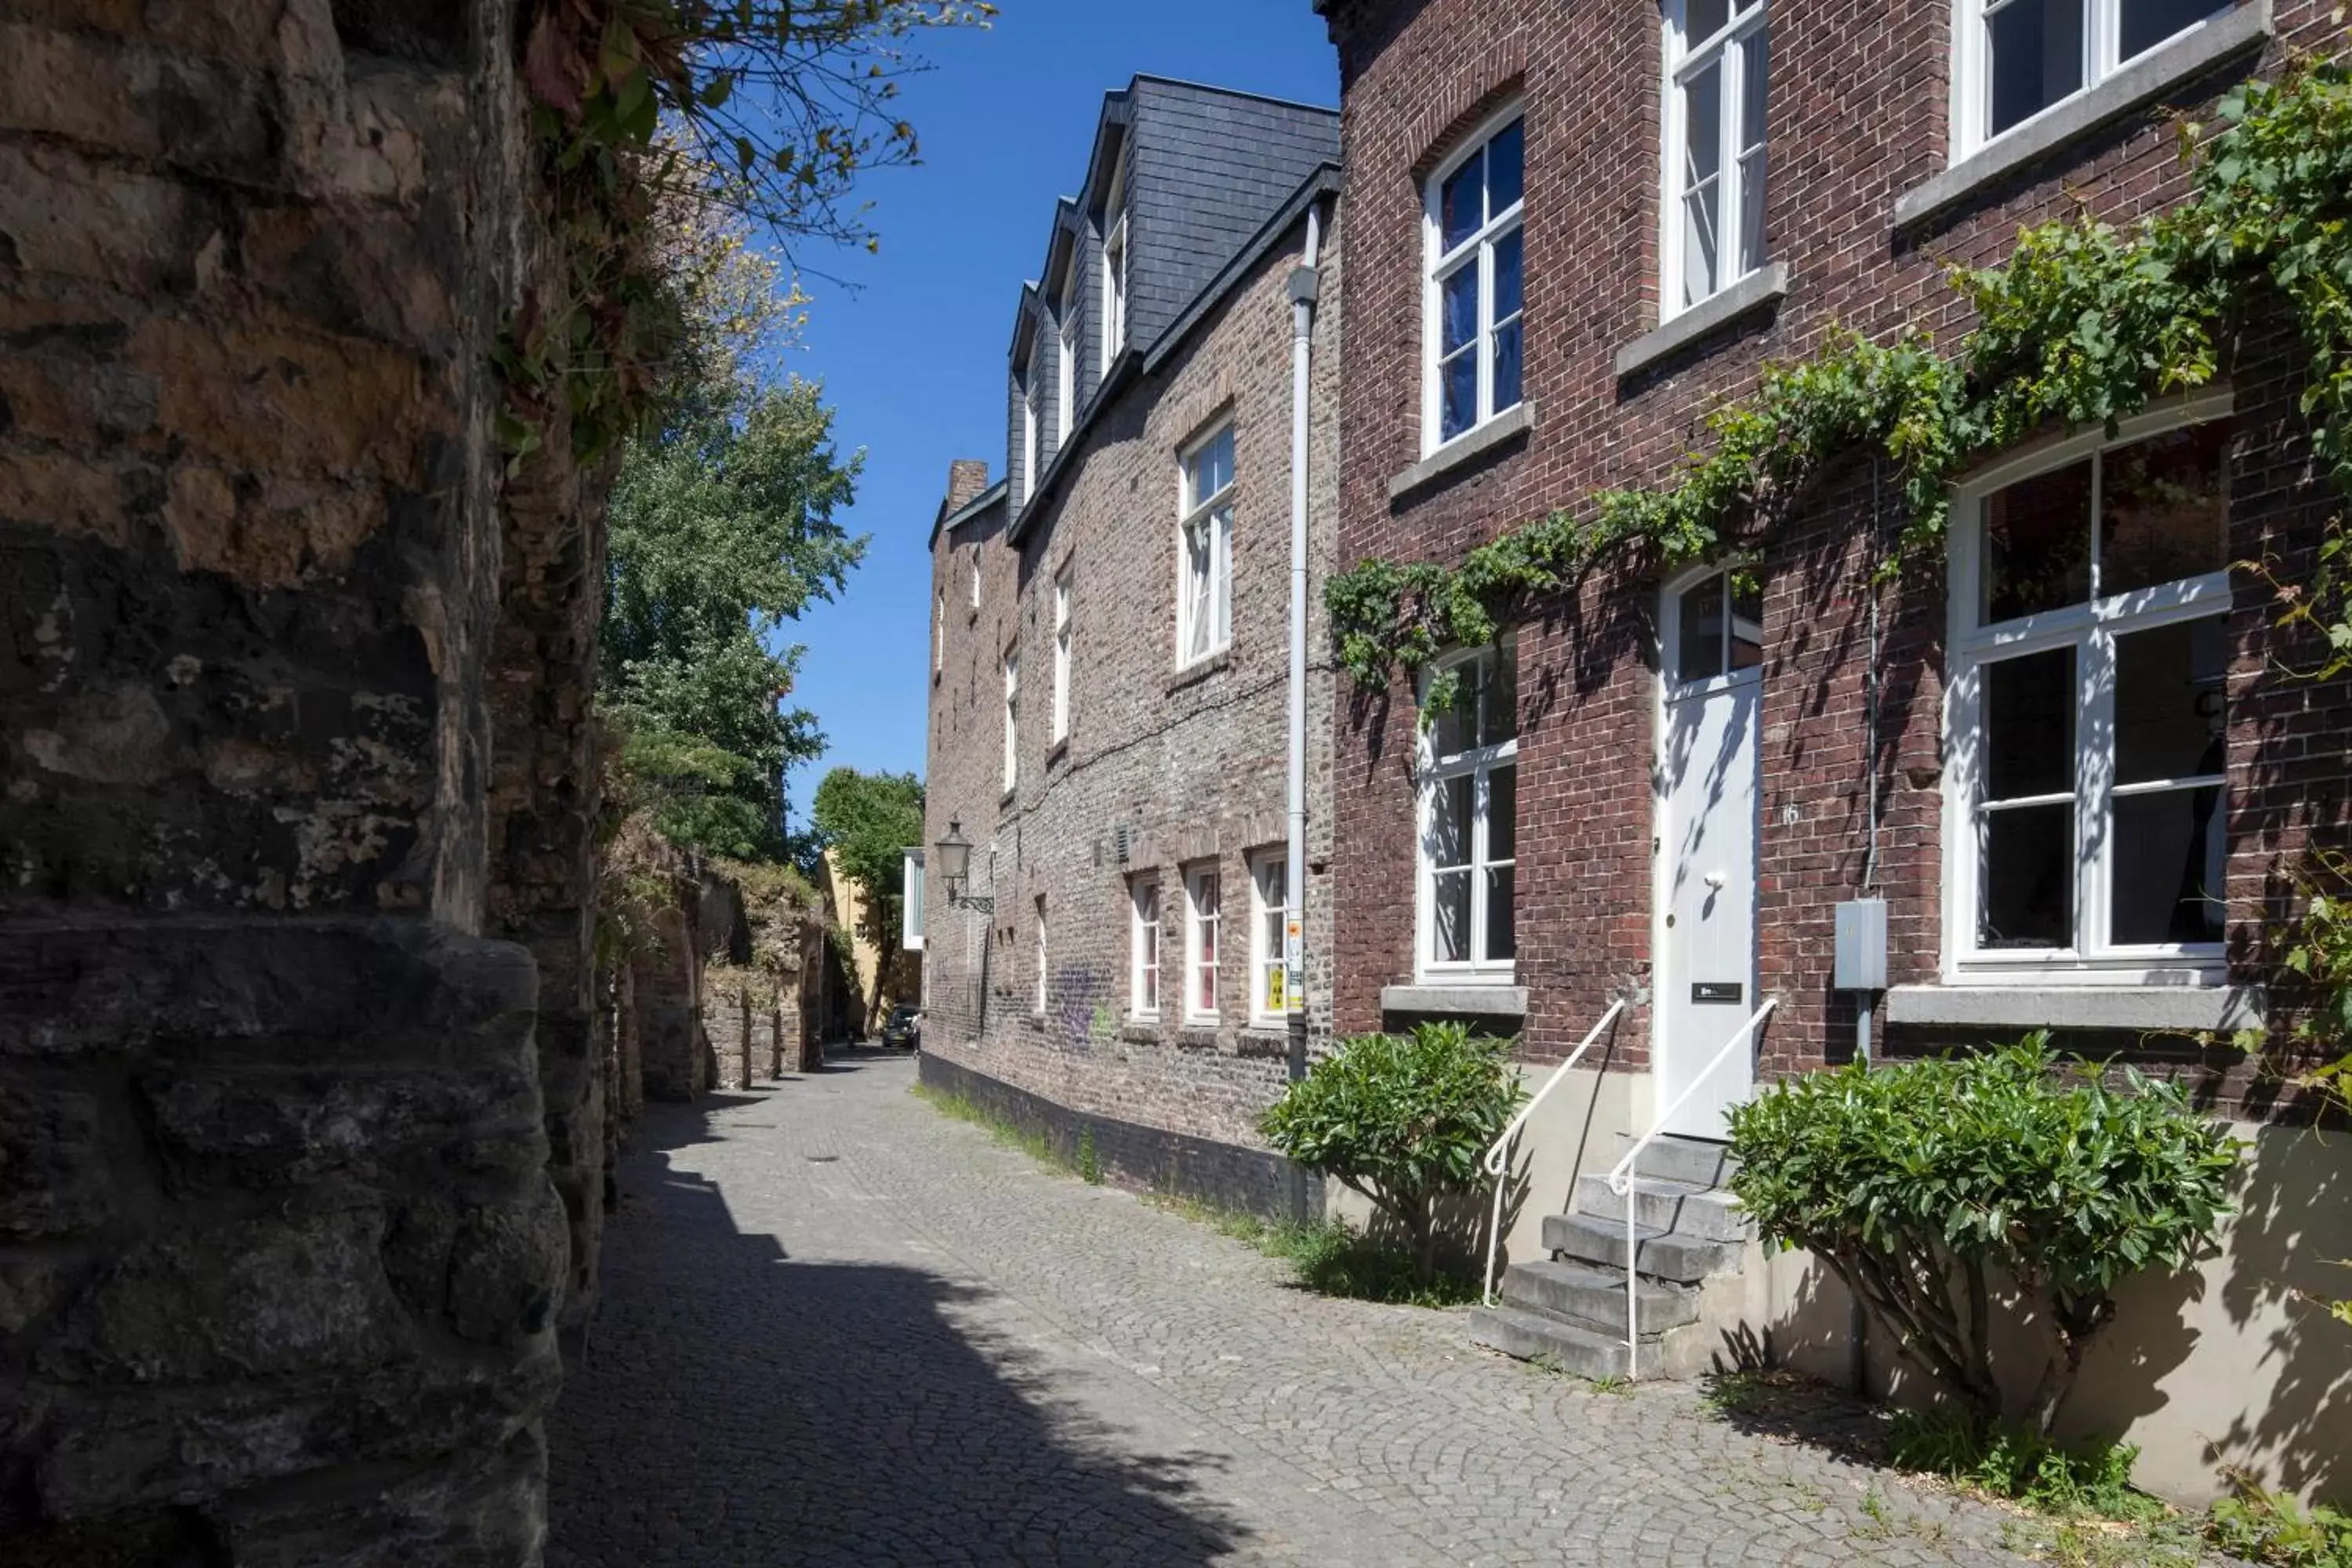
<point>913,359</point>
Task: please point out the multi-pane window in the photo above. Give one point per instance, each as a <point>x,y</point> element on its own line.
<point>1143,949</point>
<point>1472,328</point>
<point>1201,909</point>
<point>1012,718</point>
<point>1204,590</point>
<point>1042,989</point>
<point>1714,125</point>
<point>2016,58</point>
<point>2088,709</point>
<point>1114,291</point>
<point>1062,656</point>
<point>1469,817</point>
<point>939,633</point>
<point>1269,913</point>
<point>976,574</point>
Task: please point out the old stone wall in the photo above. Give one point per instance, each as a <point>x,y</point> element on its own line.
<point>1166,771</point>
<point>293,802</point>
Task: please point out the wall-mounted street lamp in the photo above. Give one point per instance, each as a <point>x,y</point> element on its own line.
<point>953,859</point>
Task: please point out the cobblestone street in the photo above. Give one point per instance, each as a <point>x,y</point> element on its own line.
<point>841,1328</point>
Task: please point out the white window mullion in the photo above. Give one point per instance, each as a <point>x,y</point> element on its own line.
<point>1731,230</point>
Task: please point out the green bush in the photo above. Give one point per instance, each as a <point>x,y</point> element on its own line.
<point>1402,1119</point>
<point>1919,1183</point>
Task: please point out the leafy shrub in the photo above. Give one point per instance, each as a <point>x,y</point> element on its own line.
<point>2270,1527</point>
<point>2012,1460</point>
<point>1402,1119</point>
<point>1916,1183</point>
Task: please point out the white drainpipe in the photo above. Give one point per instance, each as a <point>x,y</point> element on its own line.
<point>1303,287</point>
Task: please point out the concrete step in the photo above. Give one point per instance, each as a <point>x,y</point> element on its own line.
<point>1562,1346</point>
<point>1595,1297</point>
<point>1705,1213</point>
<point>1659,1254</point>
<point>1698,1160</point>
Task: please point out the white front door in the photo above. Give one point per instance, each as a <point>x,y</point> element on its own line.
<point>1707,772</point>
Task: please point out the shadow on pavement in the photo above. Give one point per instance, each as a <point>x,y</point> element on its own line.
<point>742,1407</point>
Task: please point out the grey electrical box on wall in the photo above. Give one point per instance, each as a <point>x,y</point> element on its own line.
<point>1861,945</point>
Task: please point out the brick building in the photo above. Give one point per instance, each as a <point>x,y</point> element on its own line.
<point>1110,635</point>
<point>2057,757</point>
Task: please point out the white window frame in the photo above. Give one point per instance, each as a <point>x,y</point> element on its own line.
<point>1114,275</point>
<point>1062,632</point>
<point>1972,59</point>
<point>1012,718</point>
<point>1066,412</point>
<point>1269,870</point>
<point>940,635</point>
<point>1430,771</point>
<point>1030,390</point>
<point>1685,58</point>
<point>975,574</point>
<point>1212,515</point>
<point>1204,934</point>
<point>1043,989</point>
<point>1143,948</point>
<point>2090,629</point>
<point>1439,264</point>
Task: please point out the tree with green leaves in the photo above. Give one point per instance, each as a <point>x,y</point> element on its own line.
<point>722,529</point>
<point>866,821</point>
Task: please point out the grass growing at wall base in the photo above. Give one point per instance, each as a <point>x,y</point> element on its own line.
<point>1332,1257</point>
<point>1036,1145</point>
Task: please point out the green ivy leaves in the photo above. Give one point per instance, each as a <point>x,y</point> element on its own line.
<point>2083,326</point>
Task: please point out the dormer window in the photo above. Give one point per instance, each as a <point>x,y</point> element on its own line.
<point>1114,273</point>
<point>1065,408</point>
<point>1029,417</point>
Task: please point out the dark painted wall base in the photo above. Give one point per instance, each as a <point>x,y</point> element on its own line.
<point>1222,1175</point>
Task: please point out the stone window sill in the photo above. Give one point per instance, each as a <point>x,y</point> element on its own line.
<point>1141,1031</point>
<point>2192,1008</point>
<point>1194,1036</point>
<point>2145,79</point>
<point>1760,289</point>
<point>1263,1041</point>
<point>1465,1000</point>
<point>1465,447</point>
<point>1058,752</point>
<point>1201,669</point>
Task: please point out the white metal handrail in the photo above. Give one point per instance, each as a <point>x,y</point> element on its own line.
<point>1498,1158</point>
<point>1621,1180</point>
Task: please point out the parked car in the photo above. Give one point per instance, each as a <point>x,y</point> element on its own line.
<point>904,1028</point>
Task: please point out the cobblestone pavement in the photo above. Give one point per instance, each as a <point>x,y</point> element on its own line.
<point>841,1328</point>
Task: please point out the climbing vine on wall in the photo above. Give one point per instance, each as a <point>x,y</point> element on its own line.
<point>2083,326</point>
<point>769,107</point>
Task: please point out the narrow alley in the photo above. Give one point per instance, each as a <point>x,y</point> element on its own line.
<point>841,1328</point>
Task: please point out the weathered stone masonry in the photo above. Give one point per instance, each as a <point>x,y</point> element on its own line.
<point>301,1117</point>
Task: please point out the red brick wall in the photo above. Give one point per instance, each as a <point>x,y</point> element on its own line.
<point>1857,117</point>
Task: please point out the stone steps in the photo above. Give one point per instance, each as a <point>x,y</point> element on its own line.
<point>1569,1311</point>
<point>1530,1336</point>
<point>1705,1213</point>
<point>1659,1254</point>
<point>1594,1298</point>
<point>1693,1159</point>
